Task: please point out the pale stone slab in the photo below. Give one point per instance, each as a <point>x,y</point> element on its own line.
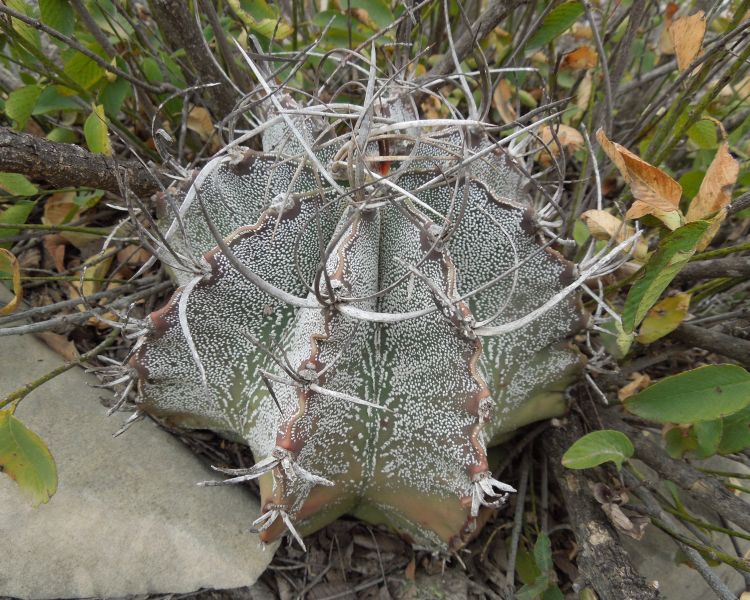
<point>128,517</point>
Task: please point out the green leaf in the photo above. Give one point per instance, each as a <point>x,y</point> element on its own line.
<point>553,593</point>
<point>17,185</point>
<point>83,70</point>
<point>679,441</point>
<point>598,447</point>
<point>735,435</point>
<point>702,394</point>
<point>61,134</point>
<point>526,567</point>
<point>96,133</point>
<point>691,183</point>
<point>151,70</point>
<point>51,100</point>
<point>673,253</point>
<point>27,32</point>
<point>20,104</point>
<point>535,590</point>
<point>556,22</point>
<point>708,435</point>
<point>703,134</point>
<point>543,553</point>
<point>259,17</point>
<point>113,95</point>
<point>14,215</point>
<point>615,340</point>
<point>25,458</point>
<point>278,29</point>
<point>377,10</point>
<point>58,14</point>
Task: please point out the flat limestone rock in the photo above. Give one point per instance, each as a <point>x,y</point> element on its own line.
<point>128,517</point>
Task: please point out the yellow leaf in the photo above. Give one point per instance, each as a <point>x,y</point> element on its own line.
<point>605,226</point>
<point>583,57</point>
<point>9,264</point>
<point>657,192</point>
<point>664,317</point>
<point>716,189</point>
<point>687,36</point>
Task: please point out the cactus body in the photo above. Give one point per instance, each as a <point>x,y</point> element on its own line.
<point>352,307</point>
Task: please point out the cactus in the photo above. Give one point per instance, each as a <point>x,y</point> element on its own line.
<point>368,303</point>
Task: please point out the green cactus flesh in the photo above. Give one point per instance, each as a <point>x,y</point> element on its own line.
<point>334,327</point>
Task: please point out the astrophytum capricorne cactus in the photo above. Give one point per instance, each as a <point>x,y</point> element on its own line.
<point>368,303</point>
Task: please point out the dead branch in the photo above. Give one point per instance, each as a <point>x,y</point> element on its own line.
<point>730,266</point>
<point>68,165</point>
<point>602,561</point>
<point>714,341</point>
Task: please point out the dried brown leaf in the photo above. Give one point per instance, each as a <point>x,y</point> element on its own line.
<point>199,121</point>
<point>60,208</point>
<point>583,95</point>
<point>687,37</point>
<point>569,138</point>
<point>665,39</point>
<point>605,226</point>
<point>411,569</point>
<point>501,99</point>
<point>716,189</point>
<point>655,191</point>
<point>60,344</point>
<point>634,527</point>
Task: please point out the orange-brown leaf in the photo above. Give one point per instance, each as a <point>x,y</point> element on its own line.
<point>687,36</point>
<point>583,57</point>
<point>656,191</point>
<point>716,189</point>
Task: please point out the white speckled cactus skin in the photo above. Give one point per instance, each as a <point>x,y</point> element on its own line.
<point>363,310</point>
